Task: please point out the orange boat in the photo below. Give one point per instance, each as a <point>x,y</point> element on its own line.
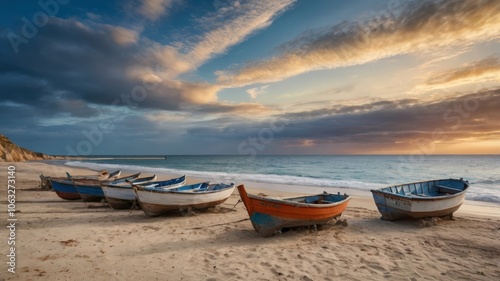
<point>269,215</point>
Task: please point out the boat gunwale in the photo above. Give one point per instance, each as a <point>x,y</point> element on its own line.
<point>300,204</point>
<point>181,178</point>
<point>186,192</point>
<point>417,197</point>
<point>130,187</point>
<point>103,185</point>
<point>414,197</point>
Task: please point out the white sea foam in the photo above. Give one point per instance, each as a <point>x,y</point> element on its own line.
<point>479,191</point>
<point>220,176</point>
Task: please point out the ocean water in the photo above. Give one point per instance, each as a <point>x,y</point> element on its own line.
<point>363,172</point>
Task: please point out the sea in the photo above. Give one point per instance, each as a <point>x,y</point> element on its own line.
<point>362,172</point>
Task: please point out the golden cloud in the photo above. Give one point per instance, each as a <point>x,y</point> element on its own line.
<point>484,70</point>
<point>418,27</point>
<point>228,26</point>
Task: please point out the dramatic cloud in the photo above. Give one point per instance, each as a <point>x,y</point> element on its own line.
<point>226,27</point>
<point>400,121</point>
<point>420,25</point>
<point>154,9</point>
<point>477,72</point>
<point>154,76</point>
<point>70,65</point>
<point>406,124</point>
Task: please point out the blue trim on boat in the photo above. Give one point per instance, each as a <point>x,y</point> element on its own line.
<point>264,220</point>
<point>63,187</point>
<point>160,184</point>
<point>90,190</point>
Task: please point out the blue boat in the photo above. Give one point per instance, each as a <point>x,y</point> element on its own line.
<point>434,198</point>
<point>90,189</point>
<point>171,183</point>
<point>64,188</point>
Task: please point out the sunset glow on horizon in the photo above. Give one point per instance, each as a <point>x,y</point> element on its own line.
<point>243,77</point>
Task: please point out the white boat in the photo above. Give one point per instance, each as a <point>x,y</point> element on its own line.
<point>90,189</point>
<point>122,196</point>
<point>435,198</point>
<point>156,201</point>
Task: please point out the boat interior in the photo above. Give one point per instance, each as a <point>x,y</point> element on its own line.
<point>428,189</point>
<point>318,199</point>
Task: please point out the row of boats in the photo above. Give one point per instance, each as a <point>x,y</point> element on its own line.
<point>154,197</point>
<point>435,198</point>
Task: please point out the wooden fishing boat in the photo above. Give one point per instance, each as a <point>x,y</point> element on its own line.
<point>90,189</point>
<point>65,189</point>
<point>126,181</point>
<point>122,196</point>
<point>156,201</point>
<point>103,175</point>
<point>434,198</point>
<point>166,184</point>
<point>139,180</point>
<point>270,215</point>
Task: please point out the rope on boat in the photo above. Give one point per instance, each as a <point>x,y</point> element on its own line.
<point>133,207</point>
<point>239,201</point>
<point>74,185</point>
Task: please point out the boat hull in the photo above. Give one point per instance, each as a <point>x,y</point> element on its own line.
<point>156,204</point>
<point>435,198</point>
<point>155,210</point>
<point>269,216</point>
<point>119,197</point>
<point>123,197</point>
<point>393,207</point>
<point>89,190</point>
<point>65,189</point>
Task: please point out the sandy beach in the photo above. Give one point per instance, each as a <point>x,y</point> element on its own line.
<point>68,240</point>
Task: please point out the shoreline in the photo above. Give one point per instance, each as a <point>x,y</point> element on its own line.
<point>364,198</point>
<point>58,239</point>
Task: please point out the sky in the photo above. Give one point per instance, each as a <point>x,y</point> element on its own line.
<point>163,77</point>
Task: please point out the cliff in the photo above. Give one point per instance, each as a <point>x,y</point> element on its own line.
<point>10,152</point>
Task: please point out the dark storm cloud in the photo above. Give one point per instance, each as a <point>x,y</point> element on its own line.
<point>402,120</point>
<point>382,122</point>
<point>69,65</point>
<point>344,109</point>
<point>241,108</point>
